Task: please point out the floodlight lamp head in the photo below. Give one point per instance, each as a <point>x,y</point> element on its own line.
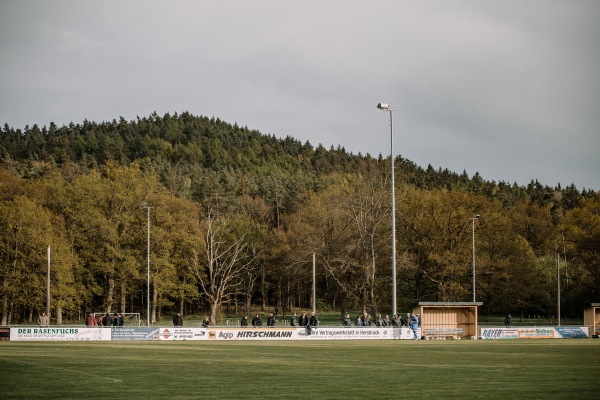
<point>383,106</point>
<point>476,216</point>
<point>145,205</point>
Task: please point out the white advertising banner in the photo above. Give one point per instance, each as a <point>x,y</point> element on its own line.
<point>254,333</point>
<point>536,332</point>
<point>300,333</point>
<point>182,334</point>
<point>406,333</point>
<point>60,333</point>
<point>350,333</point>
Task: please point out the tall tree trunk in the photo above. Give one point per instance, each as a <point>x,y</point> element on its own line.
<point>372,299</point>
<point>5,306</point>
<point>110,295</point>
<point>213,313</point>
<point>123,297</point>
<point>263,290</point>
<point>343,306</point>
<point>59,312</point>
<point>10,312</point>
<point>154,304</point>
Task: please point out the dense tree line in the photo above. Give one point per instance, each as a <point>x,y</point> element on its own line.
<point>237,215</point>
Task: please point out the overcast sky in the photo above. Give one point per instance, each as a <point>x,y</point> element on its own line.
<point>509,89</point>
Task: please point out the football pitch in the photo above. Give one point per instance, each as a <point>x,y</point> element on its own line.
<point>468,369</point>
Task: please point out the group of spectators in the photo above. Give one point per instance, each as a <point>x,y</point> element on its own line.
<point>178,321</point>
<point>116,320</point>
<point>303,320</point>
<point>409,320</point>
<point>365,320</point>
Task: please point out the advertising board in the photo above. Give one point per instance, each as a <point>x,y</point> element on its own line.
<point>350,333</point>
<point>254,333</point>
<point>134,333</point>
<point>536,332</point>
<point>4,333</point>
<point>59,333</point>
<point>182,334</point>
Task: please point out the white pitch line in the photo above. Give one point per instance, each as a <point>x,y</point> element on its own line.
<point>68,370</point>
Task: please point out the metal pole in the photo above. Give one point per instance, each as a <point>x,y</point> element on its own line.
<point>473,220</point>
<point>386,107</point>
<point>393,217</point>
<point>48,287</point>
<point>473,230</point>
<point>558,286</point>
<point>314,286</point>
<point>145,205</point>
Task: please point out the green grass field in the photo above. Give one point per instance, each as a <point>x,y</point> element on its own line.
<point>510,369</point>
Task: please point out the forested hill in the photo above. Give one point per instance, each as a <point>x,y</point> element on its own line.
<point>236,216</point>
<point>191,152</point>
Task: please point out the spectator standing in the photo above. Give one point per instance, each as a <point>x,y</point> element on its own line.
<point>303,321</point>
<point>395,321</point>
<point>43,320</point>
<point>205,322</point>
<point>121,321</point>
<point>346,321</point>
<point>414,324</point>
<point>404,321</point>
<point>271,320</point>
<point>386,321</point>
<point>508,321</point>
<point>244,321</point>
<point>107,320</point>
<point>378,320</point>
<point>366,319</point>
<point>178,320</point>
<point>314,321</point>
<point>358,321</point>
<point>101,320</point>
<point>90,321</point>
<point>256,321</point>
<point>115,319</point>
<point>293,320</point>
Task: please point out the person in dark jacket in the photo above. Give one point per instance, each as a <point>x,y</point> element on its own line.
<point>178,320</point>
<point>244,321</point>
<point>366,319</point>
<point>386,321</point>
<point>508,321</point>
<point>404,320</point>
<point>271,320</point>
<point>256,321</point>
<point>205,322</point>
<point>358,321</point>
<point>107,320</point>
<point>303,320</point>
<point>346,321</point>
<point>314,321</point>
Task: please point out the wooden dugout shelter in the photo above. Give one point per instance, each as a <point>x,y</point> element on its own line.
<point>448,319</point>
<point>591,318</point>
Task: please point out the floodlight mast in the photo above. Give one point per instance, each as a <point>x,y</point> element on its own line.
<point>476,216</point>
<point>386,107</point>
<point>146,206</point>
